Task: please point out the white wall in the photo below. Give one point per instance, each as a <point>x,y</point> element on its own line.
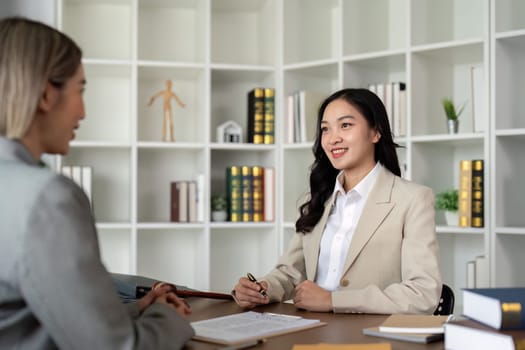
<point>42,10</point>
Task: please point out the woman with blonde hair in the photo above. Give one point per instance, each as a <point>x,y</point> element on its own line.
<point>54,289</point>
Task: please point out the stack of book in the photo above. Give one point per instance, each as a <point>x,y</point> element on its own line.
<point>471,193</point>
<point>411,328</point>
<point>261,115</point>
<point>495,320</point>
<point>393,96</point>
<point>187,200</point>
<point>302,108</point>
<point>82,176</point>
<point>250,192</point>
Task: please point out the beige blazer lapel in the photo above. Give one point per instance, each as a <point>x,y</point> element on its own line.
<point>376,209</point>
<point>313,242</point>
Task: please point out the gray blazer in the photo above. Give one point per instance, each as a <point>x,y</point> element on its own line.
<point>392,264</point>
<point>54,289</point>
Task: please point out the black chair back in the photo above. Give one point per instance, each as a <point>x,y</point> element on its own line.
<point>446,301</point>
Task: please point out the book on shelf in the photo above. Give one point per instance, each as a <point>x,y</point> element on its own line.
<point>289,131</point>
<point>465,193</point>
<point>269,194</point>
<point>393,96</point>
<point>499,308</point>
<point>82,176</point>
<point>200,197</point>
<point>309,103</point>
<point>179,201</point>
<point>258,193</point>
<point>477,207</point>
<point>234,193</point>
<point>481,272</point>
<point>192,201</point>
<point>469,334</point>
<point>269,116</point>
<point>411,328</point>
<point>256,116</point>
<point>247,193</point>
<point>471,274</point>
<point>479,109</point>
<point>248,326</point>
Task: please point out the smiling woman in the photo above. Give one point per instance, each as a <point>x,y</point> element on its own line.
<point>358,209</point>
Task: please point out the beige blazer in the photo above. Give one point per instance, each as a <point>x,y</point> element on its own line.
<point>392,264</point>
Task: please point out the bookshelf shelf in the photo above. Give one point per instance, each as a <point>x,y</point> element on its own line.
<point>218,50</point>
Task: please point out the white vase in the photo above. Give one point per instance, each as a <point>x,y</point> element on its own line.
<point>221,215</point>
<point>451,218</point>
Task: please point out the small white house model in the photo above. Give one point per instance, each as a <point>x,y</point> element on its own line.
<point>229,132</point>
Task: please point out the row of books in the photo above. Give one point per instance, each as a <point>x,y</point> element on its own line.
<point>82,175</point>
<point>394,97</point>
<point>495,319</point>
<point>261,115</point>
<point>187,200</point>
<point>471,193</point>
<point>302,108</point>
<point>250,193</point>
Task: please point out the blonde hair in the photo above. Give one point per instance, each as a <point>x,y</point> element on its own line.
<point>32,54</point>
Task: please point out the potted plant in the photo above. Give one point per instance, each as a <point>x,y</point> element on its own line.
<point>219,208</point>
<point>448,202</point>
<point>452,114</point>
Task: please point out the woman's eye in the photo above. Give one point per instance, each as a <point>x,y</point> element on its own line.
<point>346,125</point>
<point>324,129</point>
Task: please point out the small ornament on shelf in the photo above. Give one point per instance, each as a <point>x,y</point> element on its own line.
<point>452,114</point>
<point>167,122</point>
<point>219,208</point>
<point>229,132</point>
<point>447,201</point>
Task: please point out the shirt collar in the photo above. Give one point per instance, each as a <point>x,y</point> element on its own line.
<point>363,187</point>
<point>11,149</point>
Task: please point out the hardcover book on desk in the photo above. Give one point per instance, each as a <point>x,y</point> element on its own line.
<point>469,334</point>
<point>500,308</point>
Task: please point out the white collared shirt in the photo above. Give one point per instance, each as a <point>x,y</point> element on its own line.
<point>340,228</point>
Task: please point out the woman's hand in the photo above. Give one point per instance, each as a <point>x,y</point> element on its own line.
<point>309,296</point>
<point>247,293</point>
<point>163,294</point>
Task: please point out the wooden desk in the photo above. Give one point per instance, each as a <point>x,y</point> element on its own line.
<point>340,328</point>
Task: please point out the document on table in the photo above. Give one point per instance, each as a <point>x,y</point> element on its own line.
<point>250,325</point>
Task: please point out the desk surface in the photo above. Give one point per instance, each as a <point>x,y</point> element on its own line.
<point>340,328</point>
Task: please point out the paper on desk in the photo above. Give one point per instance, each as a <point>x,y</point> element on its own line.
<point>323,346</point>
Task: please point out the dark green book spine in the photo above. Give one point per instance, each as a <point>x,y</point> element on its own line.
<point>478,216</point>
<point>269,116</point>
<point>247,194</point>
<point>234,193</point>
<point>256,116</point>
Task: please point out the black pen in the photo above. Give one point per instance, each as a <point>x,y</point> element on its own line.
<point>253,279</point>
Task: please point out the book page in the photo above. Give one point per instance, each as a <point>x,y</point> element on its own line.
<point>249,325</point>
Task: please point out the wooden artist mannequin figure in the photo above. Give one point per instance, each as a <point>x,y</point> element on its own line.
<point>167,94</point>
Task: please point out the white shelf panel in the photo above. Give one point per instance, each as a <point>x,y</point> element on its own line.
<point>510,34</point>
<point>240,225</point>
<point>310,64</point>
<point>242,147</point>
<point>113,226</point>
<point>455,139</point>
<point>510,132</point>
<point>170,145</point>
<point>168,226</point>
<point>99,144</point>
<point>461,230</point>
<point>510,230</point>
<point>242,67</point>
<point>171,64</point>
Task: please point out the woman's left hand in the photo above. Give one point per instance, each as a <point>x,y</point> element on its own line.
<point>310,296</point>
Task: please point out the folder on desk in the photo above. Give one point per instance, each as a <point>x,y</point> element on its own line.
<point>133,287</point>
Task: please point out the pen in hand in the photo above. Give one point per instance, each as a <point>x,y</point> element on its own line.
<point>253,279</point>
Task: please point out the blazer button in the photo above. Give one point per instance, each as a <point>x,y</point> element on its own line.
<point>345,283</point>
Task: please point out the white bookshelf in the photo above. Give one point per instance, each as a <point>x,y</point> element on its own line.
<point>215,51</point>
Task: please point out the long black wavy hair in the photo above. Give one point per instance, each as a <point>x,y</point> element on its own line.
<point>323,174</point>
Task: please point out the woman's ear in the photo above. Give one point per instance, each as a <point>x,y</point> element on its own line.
<point>377,136</point>
<point>49,98</point>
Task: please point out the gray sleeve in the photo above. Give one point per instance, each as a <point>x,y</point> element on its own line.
<point>67,287</point>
